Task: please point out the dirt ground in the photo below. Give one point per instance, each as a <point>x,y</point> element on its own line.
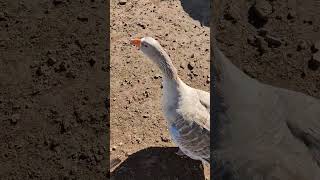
<point>139,135</point>
<point>276,42</point>
<point>53,90</point>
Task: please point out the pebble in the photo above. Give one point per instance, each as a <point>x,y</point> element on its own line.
<point>263,8</point>
<point>272,41</point>
<point>146,116</point>
<point>98,157</point>
<point>56,2</point>
<point>92,61</point>
<point>191,65</point>
<point>258,13</point>
<point>39,71</point>
<point>165,139</point>
<point>2,17</point>
<point>316,52</point>
<point>182,65</point>
<point>317,45</point>
<point>157,76</point>
<point>301,45</point>
<point>316,57</point>
<point>122,2</point>
<point>313,64</point>
<point>82,18</point>
<point>15,118</point>
<point>138,140</point>
<point>208,80</point>
<point>62,67</point>
<point>51,61</point>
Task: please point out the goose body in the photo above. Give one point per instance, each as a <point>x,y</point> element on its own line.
<point>267,131</point>
<point>187,113</point>
<point>187,110</point>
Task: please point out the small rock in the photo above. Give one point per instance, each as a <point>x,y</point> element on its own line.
<point>70,75</point>
<point>15,118</point>
<point>291,15</point>
<point>229,17</point>
<point>51,61</point>
<point>194,73</point>
<point>315,47</point>
<point>313,64</point>
<point>2,17</point>
<point>62,67</point>
<point>82,18</point>
<point>258,13</point>
<point>301,45</point>
<point>92,61</point>
<point>98,157</point>
<point>122,2</point>
<point>56,2</point>
<point>165,139</point>
<point>182,65</point>
<point>157,76</point>
<point>262,32</point>
<point>316,57</point>
<point>192,56</point>
<point>272,41</point>
<point>146,116</point>
<point>138,140</point>
<point>141,25</point>
<point>208,80</point>
<point>39,71</point>
<point>191,65</point>
<point>114,148</point>
<point>263,8</point>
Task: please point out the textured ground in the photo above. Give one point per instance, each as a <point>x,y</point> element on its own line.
<point>52,90</point>
<point>137,122</point>
<point>276,42</point>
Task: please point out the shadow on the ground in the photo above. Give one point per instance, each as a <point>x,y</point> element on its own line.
<point>158,163</point>
<point>198,9</point>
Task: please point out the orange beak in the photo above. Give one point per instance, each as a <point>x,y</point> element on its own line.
<point>136,42</point>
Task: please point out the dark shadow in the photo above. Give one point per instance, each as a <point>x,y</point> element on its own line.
<point>198,9</point>
<point>158,163</point>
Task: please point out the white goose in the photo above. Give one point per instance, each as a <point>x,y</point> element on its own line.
<point>187,110</point>
<point>264,131</point>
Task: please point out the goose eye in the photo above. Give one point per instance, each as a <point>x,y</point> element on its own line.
<point>145,45</point>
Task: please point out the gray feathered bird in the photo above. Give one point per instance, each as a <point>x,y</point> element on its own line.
<point>265,132</point>
<point>187,110</point>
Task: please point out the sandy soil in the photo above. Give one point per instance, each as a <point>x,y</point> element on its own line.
<point>52,90</point>
<point>139,135</point>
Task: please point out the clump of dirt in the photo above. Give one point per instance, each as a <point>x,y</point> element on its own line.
<point>52,90</point>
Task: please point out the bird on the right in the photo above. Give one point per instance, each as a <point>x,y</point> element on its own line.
<point>261,131</point>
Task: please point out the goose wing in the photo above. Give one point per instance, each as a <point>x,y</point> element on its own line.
<point>200,110</point>
<point>304,120</point>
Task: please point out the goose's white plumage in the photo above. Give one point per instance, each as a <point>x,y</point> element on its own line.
<point>187,110</point>
<point>265,127</point>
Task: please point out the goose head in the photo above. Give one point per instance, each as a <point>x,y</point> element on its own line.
<point>152,49</point>
<point>149,47</point>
